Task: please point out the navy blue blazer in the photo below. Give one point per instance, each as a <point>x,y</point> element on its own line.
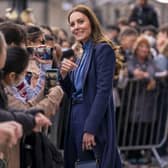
<point>97,107</point>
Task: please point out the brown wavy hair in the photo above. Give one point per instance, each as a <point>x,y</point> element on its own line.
<point>97,34</point>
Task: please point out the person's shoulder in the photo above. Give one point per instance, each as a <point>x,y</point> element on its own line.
<point>150,7</point>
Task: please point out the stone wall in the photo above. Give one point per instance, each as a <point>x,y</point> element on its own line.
<point>51,13</point>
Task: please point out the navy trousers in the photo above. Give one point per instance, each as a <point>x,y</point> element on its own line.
<point>73,147</point>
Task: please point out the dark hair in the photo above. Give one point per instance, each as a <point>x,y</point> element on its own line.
<point>13,33</point>
<point>151,28</point>
<point>164,29</point>
<point>48,37</point>
<point>33,32</point>
<point>16,61</point>
<point>2,20</point>
<point>47,28</point>
<point>113,27</point>
<point>128,32</point>
<point>123,21</point>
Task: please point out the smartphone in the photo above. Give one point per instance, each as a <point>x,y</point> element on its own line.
<point>68,53</point>
<point>28,77</point>
<point>51,79</point>
<point>44,52</point>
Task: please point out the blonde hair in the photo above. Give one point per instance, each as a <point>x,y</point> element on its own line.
<point>27,16</point>
<point>141,40</point>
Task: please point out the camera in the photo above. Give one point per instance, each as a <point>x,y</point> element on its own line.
<point>51,79</point>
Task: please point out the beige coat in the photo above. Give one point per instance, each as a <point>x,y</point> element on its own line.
<point>49,103</point>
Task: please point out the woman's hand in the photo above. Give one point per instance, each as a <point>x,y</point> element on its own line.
<point>41,121</point>
<point>88,141</point>
<point>139,74</point>
<point>67,65</point>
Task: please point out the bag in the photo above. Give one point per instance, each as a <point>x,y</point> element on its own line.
<point>3,163</point>
<point>40,152</point>
<point>87,164</point>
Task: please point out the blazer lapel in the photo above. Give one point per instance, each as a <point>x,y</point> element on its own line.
<point>88,64</point>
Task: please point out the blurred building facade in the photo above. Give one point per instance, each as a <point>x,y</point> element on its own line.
<point>54,12</point>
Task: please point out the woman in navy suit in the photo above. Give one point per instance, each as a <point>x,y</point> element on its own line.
<point>88,82</point>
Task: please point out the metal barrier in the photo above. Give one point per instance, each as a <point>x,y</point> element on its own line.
<point>142,118</point>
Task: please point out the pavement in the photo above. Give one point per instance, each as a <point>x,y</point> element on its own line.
<point>153,165</point>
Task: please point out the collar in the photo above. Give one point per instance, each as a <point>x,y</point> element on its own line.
<point>86,44</point>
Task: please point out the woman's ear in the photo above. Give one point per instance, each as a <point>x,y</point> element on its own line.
<point>12,77</point>
<point>9,78</point>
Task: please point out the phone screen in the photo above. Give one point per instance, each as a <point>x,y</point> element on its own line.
<point>51,79</point>
<point>28,77</point>
<point>43,52</point>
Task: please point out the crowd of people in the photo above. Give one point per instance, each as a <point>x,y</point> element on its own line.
<point>84,72</point>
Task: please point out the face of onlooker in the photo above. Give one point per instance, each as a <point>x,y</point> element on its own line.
<point>142,2</point>
<point>128,41</point>
<point>65,44</point>
<point>149,33</point>
<point>142,51</point>
<point>14,79</point>
<point>62,35</point>
<point>161,39</point>
<point>112,34</point>
<point>38,41</point>
<point>14,74</point>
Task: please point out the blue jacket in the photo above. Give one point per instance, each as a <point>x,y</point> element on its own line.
<point>97,107</point>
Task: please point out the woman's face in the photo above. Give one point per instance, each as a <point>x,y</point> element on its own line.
<point>3,56</point>
<point>127,42</point>
<point>161,39</point>
<point>80,26</point>
<point>143,51</point>
<point>14,79</point>
<point>37,42</point>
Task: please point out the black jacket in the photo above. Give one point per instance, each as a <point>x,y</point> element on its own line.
<point>144,16</point>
